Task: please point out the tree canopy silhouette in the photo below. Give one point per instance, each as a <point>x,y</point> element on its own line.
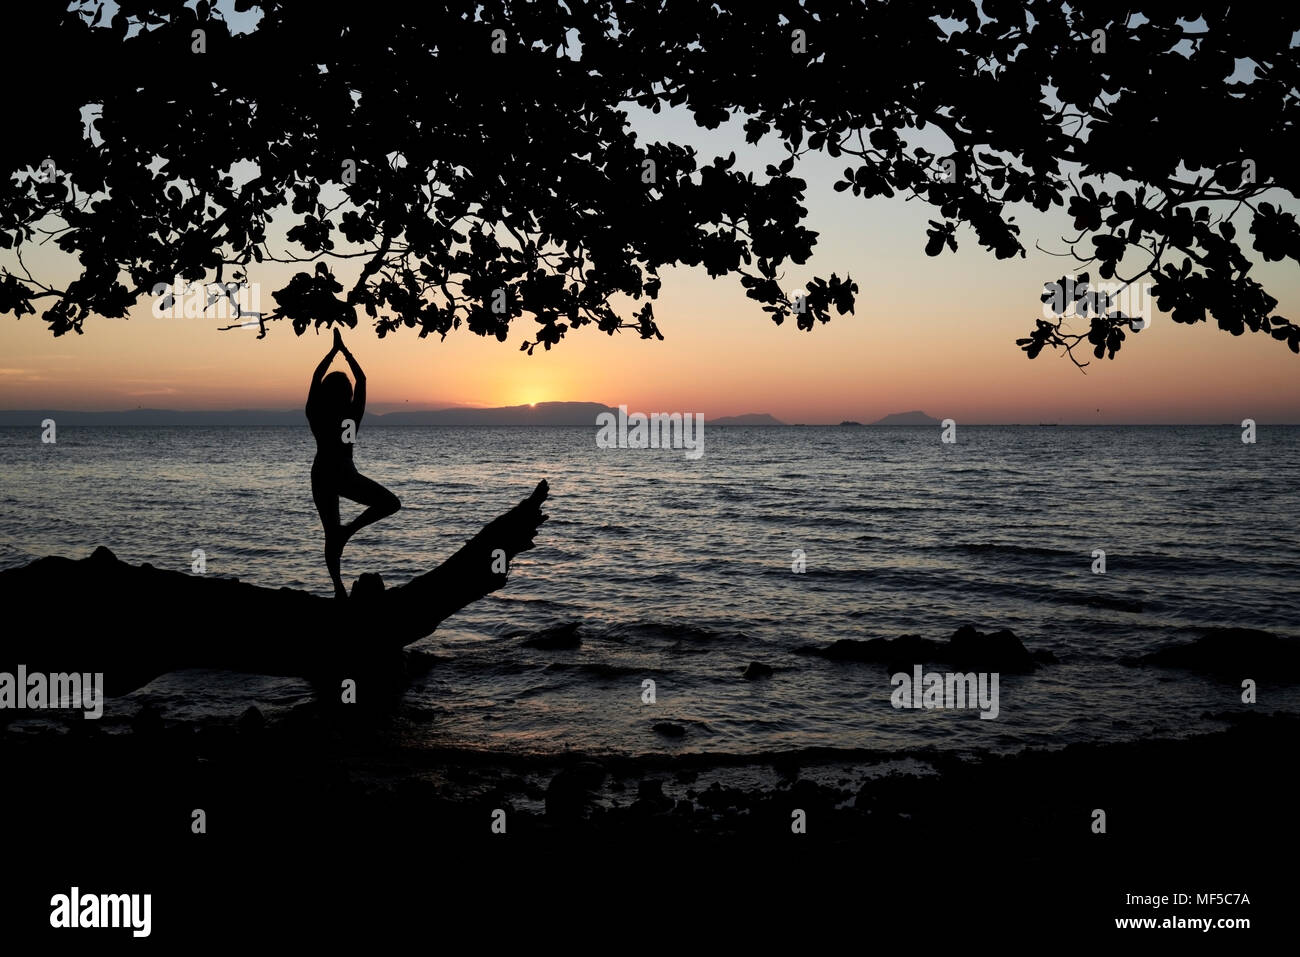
<point>471,162</point>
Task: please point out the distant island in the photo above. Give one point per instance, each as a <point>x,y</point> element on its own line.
<point>749,418</point>
<point>908,418</point>
<point>850,422</point>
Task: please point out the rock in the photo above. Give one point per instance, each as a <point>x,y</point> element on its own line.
<point>756,669</point>
<point>368,587</point>
<point>804,791</point>
<point>558,637</point>
<point>669,730</point>
<point>651,793</point>
<point>904,650</point>
<point>1001,651</point>
<point>252,719</point>
<point>786,765</point>
<point>967,649</point>
<point>1235,652</point>
<point>718,799</point>
<point>650,798</point>
<point>148,720</point>
<point>570,791</point>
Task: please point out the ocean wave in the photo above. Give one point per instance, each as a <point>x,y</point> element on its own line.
<point>808,519</point>
<point>981,548</point>
<point>1109,602</point>
<point>595,669</point>
<point>931,581</point>
<point>679,631</point>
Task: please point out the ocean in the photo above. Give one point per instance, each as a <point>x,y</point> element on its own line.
<point>682,571</point>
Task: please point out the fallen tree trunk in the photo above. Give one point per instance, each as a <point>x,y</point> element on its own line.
<point>134,623</point>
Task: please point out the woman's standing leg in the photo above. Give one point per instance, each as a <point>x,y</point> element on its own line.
<point>326,498</point>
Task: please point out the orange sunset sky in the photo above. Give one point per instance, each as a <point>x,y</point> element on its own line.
<point>931,334</point>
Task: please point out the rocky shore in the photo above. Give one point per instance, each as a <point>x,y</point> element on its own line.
<point>357,797</point>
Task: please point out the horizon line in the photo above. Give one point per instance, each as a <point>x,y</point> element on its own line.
<point>846,423</point>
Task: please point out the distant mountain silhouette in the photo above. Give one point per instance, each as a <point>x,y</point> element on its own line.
<point>907,418</point>
<point>749,418</point>
<point>543,413</point>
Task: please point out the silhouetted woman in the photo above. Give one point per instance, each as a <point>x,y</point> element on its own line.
<point>331,403</point>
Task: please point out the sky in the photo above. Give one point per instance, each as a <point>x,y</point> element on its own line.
<point>934,334</point>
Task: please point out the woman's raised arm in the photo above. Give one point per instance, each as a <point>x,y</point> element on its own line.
<point>358,384</point>
<point>325,364</point>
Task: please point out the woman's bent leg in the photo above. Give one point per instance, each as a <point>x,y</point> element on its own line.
<point>380,501</point>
